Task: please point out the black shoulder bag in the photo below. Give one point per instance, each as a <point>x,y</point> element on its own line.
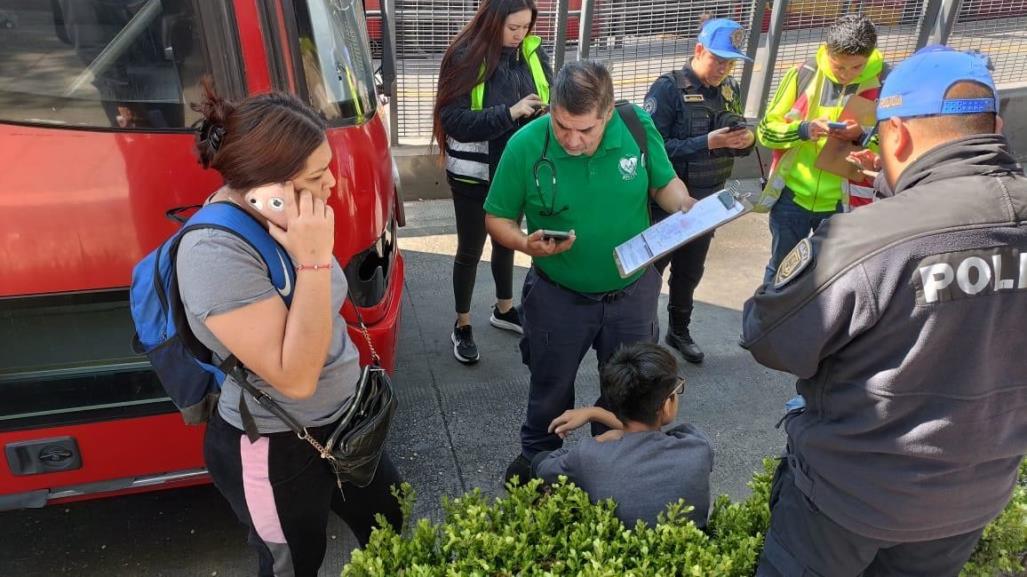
<point>355,447</point>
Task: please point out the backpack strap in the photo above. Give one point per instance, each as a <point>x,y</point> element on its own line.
<point>231,218</point>
<point>630,117</point>
<point>805,75</point>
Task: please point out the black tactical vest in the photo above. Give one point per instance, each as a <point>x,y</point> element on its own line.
<point>701,117</point>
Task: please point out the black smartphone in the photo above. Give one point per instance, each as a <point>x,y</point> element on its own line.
<point>557,235</point>
<point>836,125</point>
<point>738,126</point>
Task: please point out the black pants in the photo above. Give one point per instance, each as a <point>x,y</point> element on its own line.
<point>468,202</point>
<point>687,264</point>
<point>560,326</point>
<point>282,490</point>
<point>803,542</point>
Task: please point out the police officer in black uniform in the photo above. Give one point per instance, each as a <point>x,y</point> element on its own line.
<point>699,112</point>
<point>903,322</point>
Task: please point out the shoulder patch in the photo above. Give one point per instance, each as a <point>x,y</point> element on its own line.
<point>694,98</point>
<point>794,263</point>
<point>727,92</point>
<point>649,105</point>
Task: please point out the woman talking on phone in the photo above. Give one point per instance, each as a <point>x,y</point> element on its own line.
<point>494,78</point>
<point>300,355</point>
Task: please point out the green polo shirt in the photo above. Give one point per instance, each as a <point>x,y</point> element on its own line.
<point>606,195</point>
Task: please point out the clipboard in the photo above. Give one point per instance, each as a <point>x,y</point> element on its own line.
<point>678,229</point>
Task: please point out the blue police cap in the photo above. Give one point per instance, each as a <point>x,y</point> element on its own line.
<point>721,37</point>
<point>917,86</point>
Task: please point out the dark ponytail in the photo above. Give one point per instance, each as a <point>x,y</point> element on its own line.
<point>262,139</point>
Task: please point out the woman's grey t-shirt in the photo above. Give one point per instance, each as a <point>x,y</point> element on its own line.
<point>219,272</point>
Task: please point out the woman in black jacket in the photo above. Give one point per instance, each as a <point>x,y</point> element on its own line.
<point>494,79</point>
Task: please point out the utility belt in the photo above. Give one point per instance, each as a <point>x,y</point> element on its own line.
<point>605,297</point>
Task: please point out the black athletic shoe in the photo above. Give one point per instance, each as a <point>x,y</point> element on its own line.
<point>508,321</point>
<point>520,468</point>
<point>464,348</point>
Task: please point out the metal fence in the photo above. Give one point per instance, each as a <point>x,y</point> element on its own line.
<point>641,39</point>
<point>997,28</point>
<point>806,21</point>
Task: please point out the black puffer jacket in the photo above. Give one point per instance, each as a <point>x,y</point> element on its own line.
<point>510,82</point>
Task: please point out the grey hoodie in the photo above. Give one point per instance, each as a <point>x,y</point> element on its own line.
<point>908,332</point>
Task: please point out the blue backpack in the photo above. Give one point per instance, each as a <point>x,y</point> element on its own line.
<point>183,364</point>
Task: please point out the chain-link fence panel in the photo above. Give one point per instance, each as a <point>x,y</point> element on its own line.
<point>997,28</point>
<point>898,23</point>
<point>641,39</point>
<point>424,30</point>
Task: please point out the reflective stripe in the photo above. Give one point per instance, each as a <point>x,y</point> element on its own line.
<point>472,147</point>
<point>471,168</point>
<point>529,48</point>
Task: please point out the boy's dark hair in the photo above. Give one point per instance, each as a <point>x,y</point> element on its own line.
<point>852,35</point>
<point>637,380</point>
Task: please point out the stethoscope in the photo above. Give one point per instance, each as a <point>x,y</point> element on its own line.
<point>545,161</point>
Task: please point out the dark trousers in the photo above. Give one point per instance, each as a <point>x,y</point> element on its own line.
<point>789,224</point>
<point>281,489</point>
<point>560,326</point>
<point>470,240</point>
<point>687,265</point>
<point>803,542</point>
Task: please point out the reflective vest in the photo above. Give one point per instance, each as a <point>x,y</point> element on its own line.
<point>469,161</point>
<point>703,116</point>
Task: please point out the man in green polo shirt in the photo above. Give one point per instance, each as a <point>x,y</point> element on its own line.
<point>578,171</point>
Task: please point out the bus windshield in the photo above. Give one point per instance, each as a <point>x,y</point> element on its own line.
<point>123,64</point>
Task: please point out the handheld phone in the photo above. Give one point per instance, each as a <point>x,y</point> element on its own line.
<point>557,235</point>
<point>738,126</point>
<point>837,125</point>
<point>269,201</point>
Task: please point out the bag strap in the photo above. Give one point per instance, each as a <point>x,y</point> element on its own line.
<point>232,218</point>
<point>805,75</point>
<point>375,358</point>
<point>634,123</point>
<point>229,217</point>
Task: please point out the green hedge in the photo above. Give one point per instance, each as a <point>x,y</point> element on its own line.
<point>561,533</point>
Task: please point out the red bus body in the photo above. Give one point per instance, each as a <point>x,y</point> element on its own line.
<point>80,207</point>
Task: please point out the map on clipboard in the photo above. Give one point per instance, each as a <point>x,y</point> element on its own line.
<point>678,229</point>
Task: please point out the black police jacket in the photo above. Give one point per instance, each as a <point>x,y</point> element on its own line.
<point>685,111</point>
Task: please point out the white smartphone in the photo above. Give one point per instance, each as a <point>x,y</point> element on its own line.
<point>269,200</point>
<point>557,235</point>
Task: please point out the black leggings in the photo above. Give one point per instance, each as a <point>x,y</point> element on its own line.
<point>470,240</point>
<point>282,491</point>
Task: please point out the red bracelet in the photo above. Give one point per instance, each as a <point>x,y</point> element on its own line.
<point>313,267</point>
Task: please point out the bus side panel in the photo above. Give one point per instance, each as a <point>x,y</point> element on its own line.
<point>117,449</point>
<point>80,208</point>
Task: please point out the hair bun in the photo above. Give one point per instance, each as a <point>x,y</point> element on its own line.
<point>212,134</point>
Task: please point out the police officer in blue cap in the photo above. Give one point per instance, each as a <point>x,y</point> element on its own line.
<point>699,112</point>
<point>904,323</point>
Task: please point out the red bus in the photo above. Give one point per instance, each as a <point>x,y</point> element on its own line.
<point>95,136</point>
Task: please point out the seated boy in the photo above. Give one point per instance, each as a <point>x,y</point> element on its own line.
<point>641,467</point>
